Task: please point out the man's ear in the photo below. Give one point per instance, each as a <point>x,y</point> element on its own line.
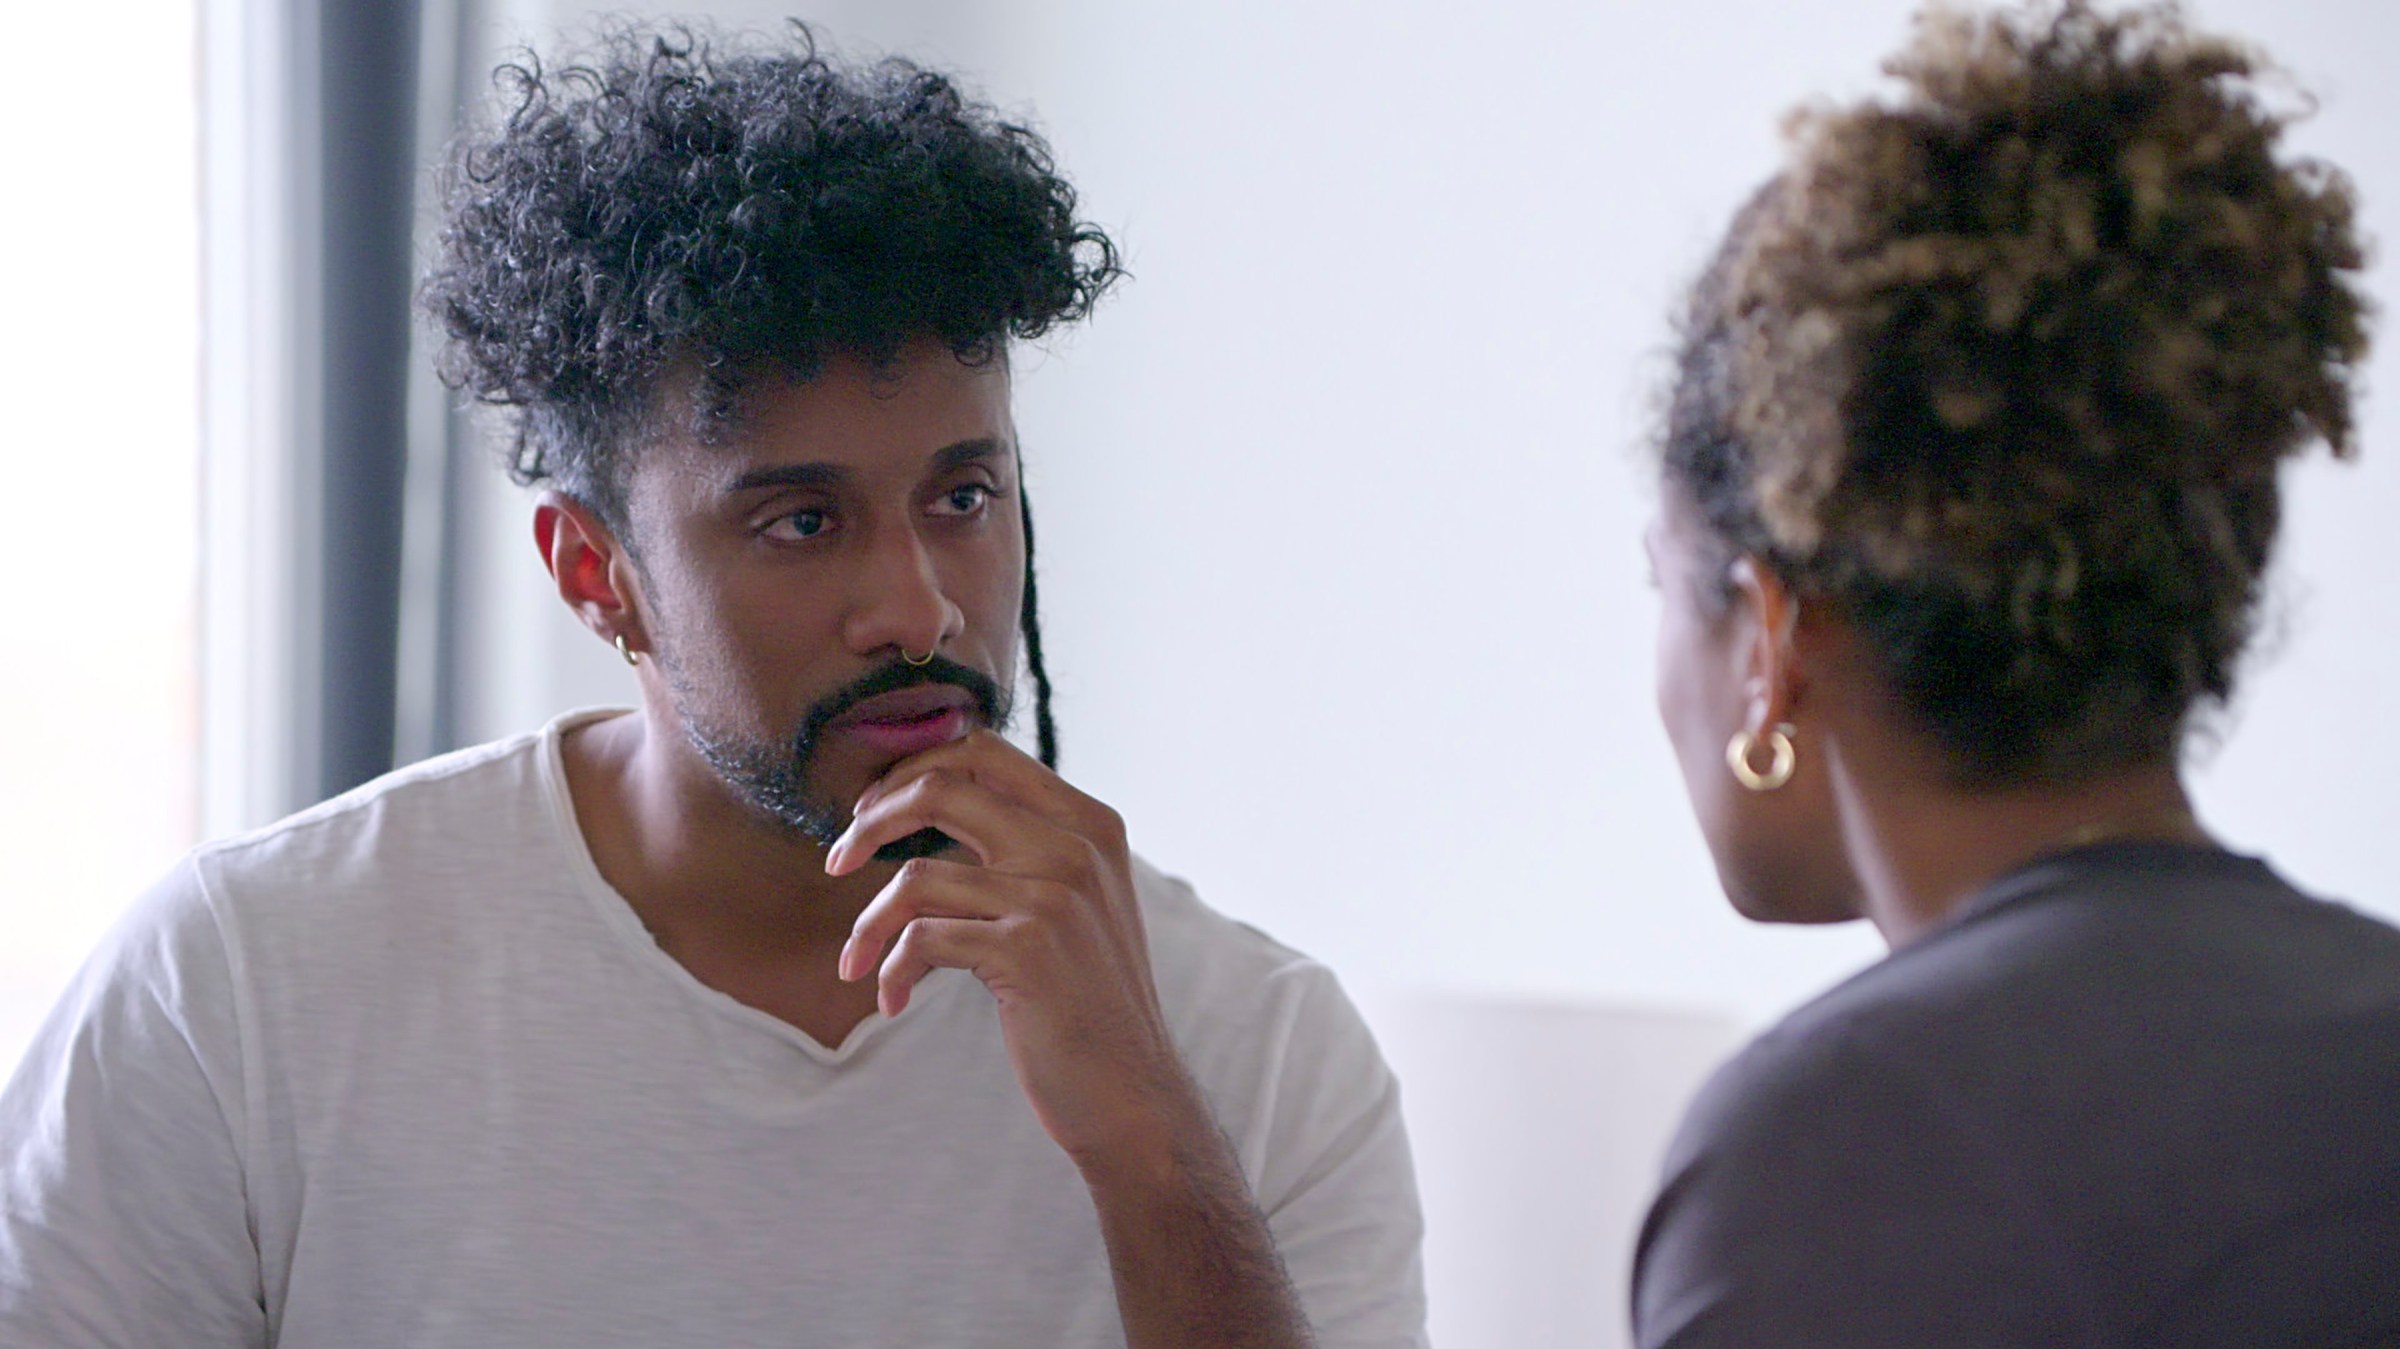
<point>592,570</point>
<point>1769,612</point>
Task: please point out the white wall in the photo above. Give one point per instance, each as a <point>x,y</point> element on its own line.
<point>1346,570</point>
<point>1341,497</point>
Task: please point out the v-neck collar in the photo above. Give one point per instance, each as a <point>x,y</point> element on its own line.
<point>625,925</point>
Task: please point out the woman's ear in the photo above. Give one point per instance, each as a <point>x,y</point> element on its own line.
<point>1768,614</point>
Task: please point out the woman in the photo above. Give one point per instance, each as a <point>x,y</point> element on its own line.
<point>1970,478</point>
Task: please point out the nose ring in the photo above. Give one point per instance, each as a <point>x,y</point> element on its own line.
<point>926,659</point>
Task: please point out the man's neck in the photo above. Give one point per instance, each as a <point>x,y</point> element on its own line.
<point>743,904</point>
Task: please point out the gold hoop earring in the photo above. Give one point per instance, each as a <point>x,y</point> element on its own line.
<point>1782,758</point>
<point>626,651</point>
<point>924,660</point>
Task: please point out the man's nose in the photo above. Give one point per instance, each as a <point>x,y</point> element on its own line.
<point>899,600</point>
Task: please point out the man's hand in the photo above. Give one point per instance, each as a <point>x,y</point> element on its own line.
<point>1045,915</point>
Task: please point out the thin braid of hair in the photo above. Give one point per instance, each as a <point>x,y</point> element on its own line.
<point>1045,730</point>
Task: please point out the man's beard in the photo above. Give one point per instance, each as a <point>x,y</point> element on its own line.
<point>774,779</point>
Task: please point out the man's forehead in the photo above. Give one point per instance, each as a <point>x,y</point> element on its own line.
<point>925,411</point>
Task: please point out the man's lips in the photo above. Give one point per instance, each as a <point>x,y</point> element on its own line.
<point>908,721</point>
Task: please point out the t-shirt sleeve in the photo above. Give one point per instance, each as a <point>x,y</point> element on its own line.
<point>1336,1183</point>
<point>1826,1196</point>
<point>123,1217</point>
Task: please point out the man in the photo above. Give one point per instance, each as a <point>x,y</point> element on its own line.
<point>795,1006</point>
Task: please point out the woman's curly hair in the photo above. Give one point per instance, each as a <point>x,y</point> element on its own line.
<point>663,203</point>
<point>2004,370</point>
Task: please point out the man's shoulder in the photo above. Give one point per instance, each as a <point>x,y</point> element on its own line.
<point>1190,939</point>
<point>448,789</point>
<point>455,824</point>
<point>1218,975</point>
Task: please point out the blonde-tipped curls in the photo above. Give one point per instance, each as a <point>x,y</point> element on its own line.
<point>2006,366</point>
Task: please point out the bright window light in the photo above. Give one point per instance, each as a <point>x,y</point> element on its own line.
<point>98,367</point>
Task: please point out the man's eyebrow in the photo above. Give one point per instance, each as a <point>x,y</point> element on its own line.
<point>790,475</point>
<point>979,450</point>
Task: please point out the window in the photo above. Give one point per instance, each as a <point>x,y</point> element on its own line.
<point>98,777</point>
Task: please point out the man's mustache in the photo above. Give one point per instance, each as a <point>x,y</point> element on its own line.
<point>991,702</point>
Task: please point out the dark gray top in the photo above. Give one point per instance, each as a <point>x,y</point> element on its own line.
<point>2136,1094</point>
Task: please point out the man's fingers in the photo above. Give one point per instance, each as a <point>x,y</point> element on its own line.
<point>986,756</point>
<point>923,886</point>
<point>996,829</point>
<point>929,944</point>
<point>991,761</point>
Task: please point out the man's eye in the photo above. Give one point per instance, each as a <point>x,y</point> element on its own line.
<point>966,498</point>
<point>798,525</point>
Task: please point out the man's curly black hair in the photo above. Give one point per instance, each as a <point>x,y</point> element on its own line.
<point>666,205</point>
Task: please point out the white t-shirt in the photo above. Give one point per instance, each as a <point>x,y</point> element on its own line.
<point>403,1070</point>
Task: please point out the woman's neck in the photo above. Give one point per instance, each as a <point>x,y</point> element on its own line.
<point>1922,848</point>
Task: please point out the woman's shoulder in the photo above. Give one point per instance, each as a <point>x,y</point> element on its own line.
<point>2070,944</point>
<point>2142,1062</point>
